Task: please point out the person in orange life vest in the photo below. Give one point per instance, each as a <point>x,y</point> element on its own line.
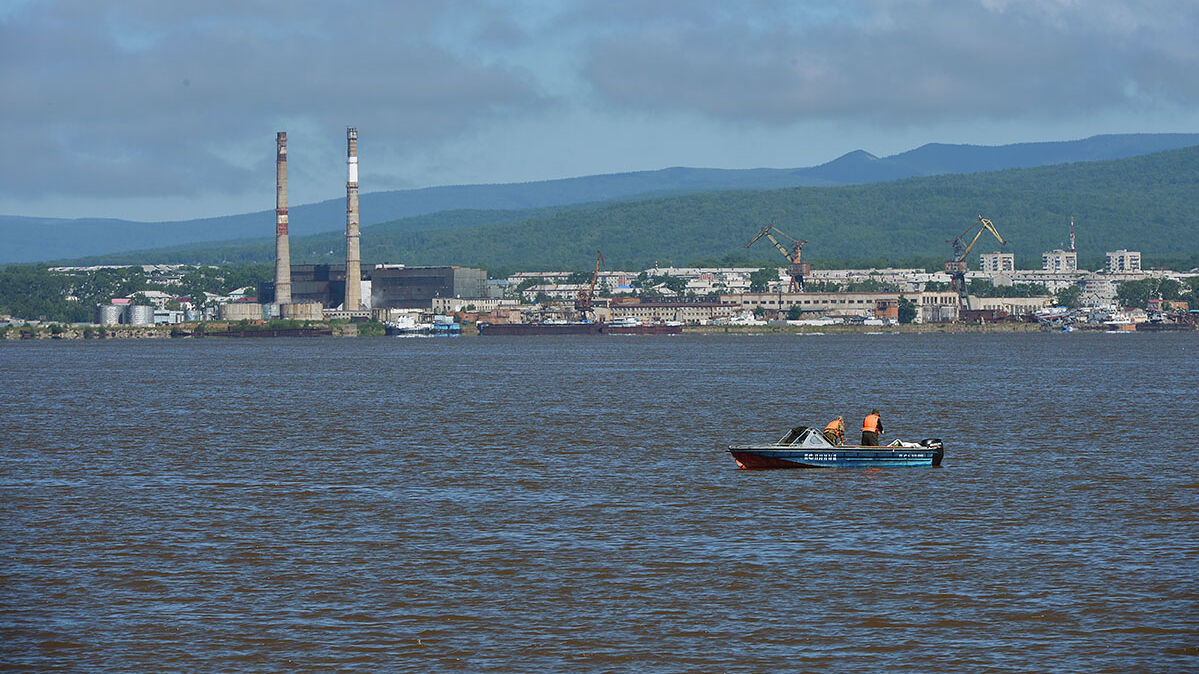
<point>835,431</point>
<point>872,427</point>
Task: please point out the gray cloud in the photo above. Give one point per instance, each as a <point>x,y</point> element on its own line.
<point>898,62</point>
<point>151,98</point>
<point>143,99</point>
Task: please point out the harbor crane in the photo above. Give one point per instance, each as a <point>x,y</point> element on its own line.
<point>583,303</point>
<point>798,270</point>
<point>956,267</point>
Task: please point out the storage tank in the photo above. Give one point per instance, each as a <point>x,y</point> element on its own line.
<point>139,314</point>
<point>237,311</point>
<point>303,311</point>
<point>109,314</point>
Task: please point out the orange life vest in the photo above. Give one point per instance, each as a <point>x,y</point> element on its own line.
<point>836,426</point>
<point>871,423</point>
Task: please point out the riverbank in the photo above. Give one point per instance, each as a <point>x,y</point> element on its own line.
<point>902,328</point>
<point>343,329</point>
<point>193,330</point>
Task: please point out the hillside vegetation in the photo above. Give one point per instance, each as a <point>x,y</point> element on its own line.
<point>29,239</point>
<point>1146,203</point>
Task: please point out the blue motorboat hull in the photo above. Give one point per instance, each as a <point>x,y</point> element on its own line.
<point>765,457</point>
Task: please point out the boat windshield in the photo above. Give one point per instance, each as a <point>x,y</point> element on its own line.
<point>807,437</point>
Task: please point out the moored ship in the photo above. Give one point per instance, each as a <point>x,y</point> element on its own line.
<point>619,327</point>
<point>544,328</point>
<point>407,326</point>
<point>633,326</point>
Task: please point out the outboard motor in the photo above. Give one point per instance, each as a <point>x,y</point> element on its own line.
<point>938,448</point>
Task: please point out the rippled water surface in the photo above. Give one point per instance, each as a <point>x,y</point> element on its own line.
<point>563,503</point>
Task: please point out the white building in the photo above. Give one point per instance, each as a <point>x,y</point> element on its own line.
<point>156,298</point>
<point>1123,260</point>
<point>997,262</point>
<point>445,305</point>
<point>167,317</point>
<point>691,313</point>
<point>1058,261</point>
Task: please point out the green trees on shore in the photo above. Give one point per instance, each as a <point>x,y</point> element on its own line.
<point>1136,294</point>
<point>1069,297</point>
<point>35,292</point>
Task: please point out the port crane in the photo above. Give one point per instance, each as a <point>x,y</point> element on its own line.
<point>798,270</point>
<point>956,267</point>
<point>583,303</point>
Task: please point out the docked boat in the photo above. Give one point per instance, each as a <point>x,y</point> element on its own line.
<point>618,327</point>
<point>545,328</point>
<point>633,326</point>
<point>806,447</point>
<point>407,326</point>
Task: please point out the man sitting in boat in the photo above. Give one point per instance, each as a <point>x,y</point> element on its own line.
<point>835,431</point>
<point>872,427</point>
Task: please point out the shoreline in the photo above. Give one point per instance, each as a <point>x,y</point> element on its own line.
<point>897,329</point>
<point>233,331</point>
<point>337,330</point>
<point>219,330</point>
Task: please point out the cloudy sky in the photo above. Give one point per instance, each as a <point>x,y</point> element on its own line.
<point>165,109</point>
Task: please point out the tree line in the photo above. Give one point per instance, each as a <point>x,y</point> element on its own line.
<point>36,292</point>
<point>1140,203</point>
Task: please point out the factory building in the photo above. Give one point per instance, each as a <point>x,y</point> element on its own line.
<point>931,306</point>
<point>834,304</point>
<point>324,284</point>
<point>692,312</point>
<point>398,287</point>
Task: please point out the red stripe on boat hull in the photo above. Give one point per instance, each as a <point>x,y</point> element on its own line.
<point>748,461</point>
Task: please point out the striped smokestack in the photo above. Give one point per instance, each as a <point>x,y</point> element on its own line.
<point>353,256</point>
<point>282,248</point>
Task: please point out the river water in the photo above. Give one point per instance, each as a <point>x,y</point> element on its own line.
<point>554,503</point>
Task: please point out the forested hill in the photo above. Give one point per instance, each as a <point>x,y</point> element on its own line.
<point>1146,203</point>
<point>24,239</point>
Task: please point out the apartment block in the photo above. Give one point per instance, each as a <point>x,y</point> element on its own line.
<point>997,262</point>
<point>1059,261</point>
<point>1123,260</point>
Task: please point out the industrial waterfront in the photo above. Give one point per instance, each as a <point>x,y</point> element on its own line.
<point>1060,294</point>
<point>567,503</point>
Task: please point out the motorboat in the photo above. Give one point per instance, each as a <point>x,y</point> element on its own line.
<point>806,447</point>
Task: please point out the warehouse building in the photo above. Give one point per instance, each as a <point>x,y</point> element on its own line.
<point>401,287</point>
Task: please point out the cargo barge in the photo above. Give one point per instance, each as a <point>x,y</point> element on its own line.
<point>524,329</point>
<point>581,328</point>
<point>635,327</point>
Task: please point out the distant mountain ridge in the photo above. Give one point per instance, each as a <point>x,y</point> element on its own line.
<point>28,239</point>
<point>1144,203</point>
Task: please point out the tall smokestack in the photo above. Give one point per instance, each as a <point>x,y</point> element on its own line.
<point>282,248</point>
<point>353,257</point>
